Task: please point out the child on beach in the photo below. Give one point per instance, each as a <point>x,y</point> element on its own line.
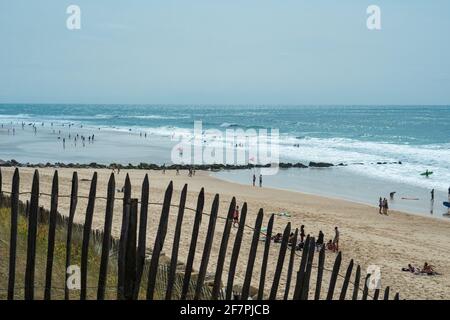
<point>236,217</point>
<point>336,239</point>
<point>330,246</point>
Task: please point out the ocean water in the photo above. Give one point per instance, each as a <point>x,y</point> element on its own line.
<point>359,136</point>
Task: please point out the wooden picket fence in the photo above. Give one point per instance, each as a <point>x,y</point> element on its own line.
<point>137,265</point>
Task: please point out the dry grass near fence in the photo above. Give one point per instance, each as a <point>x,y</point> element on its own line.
<point>58,278</point>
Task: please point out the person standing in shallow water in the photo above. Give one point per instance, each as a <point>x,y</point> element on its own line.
<point>254,179</point>
<point>260,180</point>
<point>380,205</point>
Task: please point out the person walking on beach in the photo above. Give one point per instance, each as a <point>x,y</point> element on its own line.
<point>380,205</point>
<point>320,240</point>
<point>260,180</point>
<point>236,216</point>
<point>254,179</point>
<point>302,233</point>
<point>336,239</point>
<point>385,206</point>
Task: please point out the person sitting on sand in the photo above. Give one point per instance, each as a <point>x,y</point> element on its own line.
<point>291,239</point>
<point>428,269</point>
<point>410,268</point>
<point>236,216</point>
<point>278,238</point>
<point>330,245</point>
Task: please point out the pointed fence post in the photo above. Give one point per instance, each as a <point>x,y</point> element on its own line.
<point>356,284</point>
<point>223,250</point>
<point>301,270</point>
<point>13,236</point>
<point>207,248</point>
<point>130,253</point>
<point>176,244</point>
<point>267,243</point>
<point>72,209</point>
<point>291,265</point>
<point>235,253</point>
<point>159,242</point>
<point>86,236</point>
<point>51,237</point>
<point>141,251</point>
<point>320,273</point>
<point>106,243</point>
<point>334,275</point>
<point>252,256</point>
<point>123,238</point>
<point>304,294</point>
<point>280,262</point>
<point>31,241</point>
<point>193,245</point>
<point>348,274</point>
<point>386,293</point>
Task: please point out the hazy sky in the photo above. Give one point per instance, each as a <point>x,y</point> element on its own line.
<point>225,52</point>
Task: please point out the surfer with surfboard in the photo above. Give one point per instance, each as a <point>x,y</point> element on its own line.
<point>427,173</point>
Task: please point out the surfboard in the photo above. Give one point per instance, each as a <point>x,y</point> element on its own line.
<point>426,173</point>
<point>446,204</point>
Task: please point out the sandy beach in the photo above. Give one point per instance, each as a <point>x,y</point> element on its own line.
<point>390,242</point>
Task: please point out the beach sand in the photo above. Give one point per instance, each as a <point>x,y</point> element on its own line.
<point>390,242</point>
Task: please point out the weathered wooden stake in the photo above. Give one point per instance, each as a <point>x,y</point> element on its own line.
<point>31,241</point>
<point>72,209</point>
<point>106,243</point>
<point>207,248</point>
<point>13,236</point>
<point>51,237</point>
<point>159,242</point>
<point>235,253</point>
<point>267,243</point>
<point>86,236</point>
<point>193,245</point>
<point>252,256</point>
<point>223,250</point>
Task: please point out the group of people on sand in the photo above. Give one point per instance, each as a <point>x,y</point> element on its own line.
<point>383,206</point>
<point>427,269</point>
<point>332,245</point>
